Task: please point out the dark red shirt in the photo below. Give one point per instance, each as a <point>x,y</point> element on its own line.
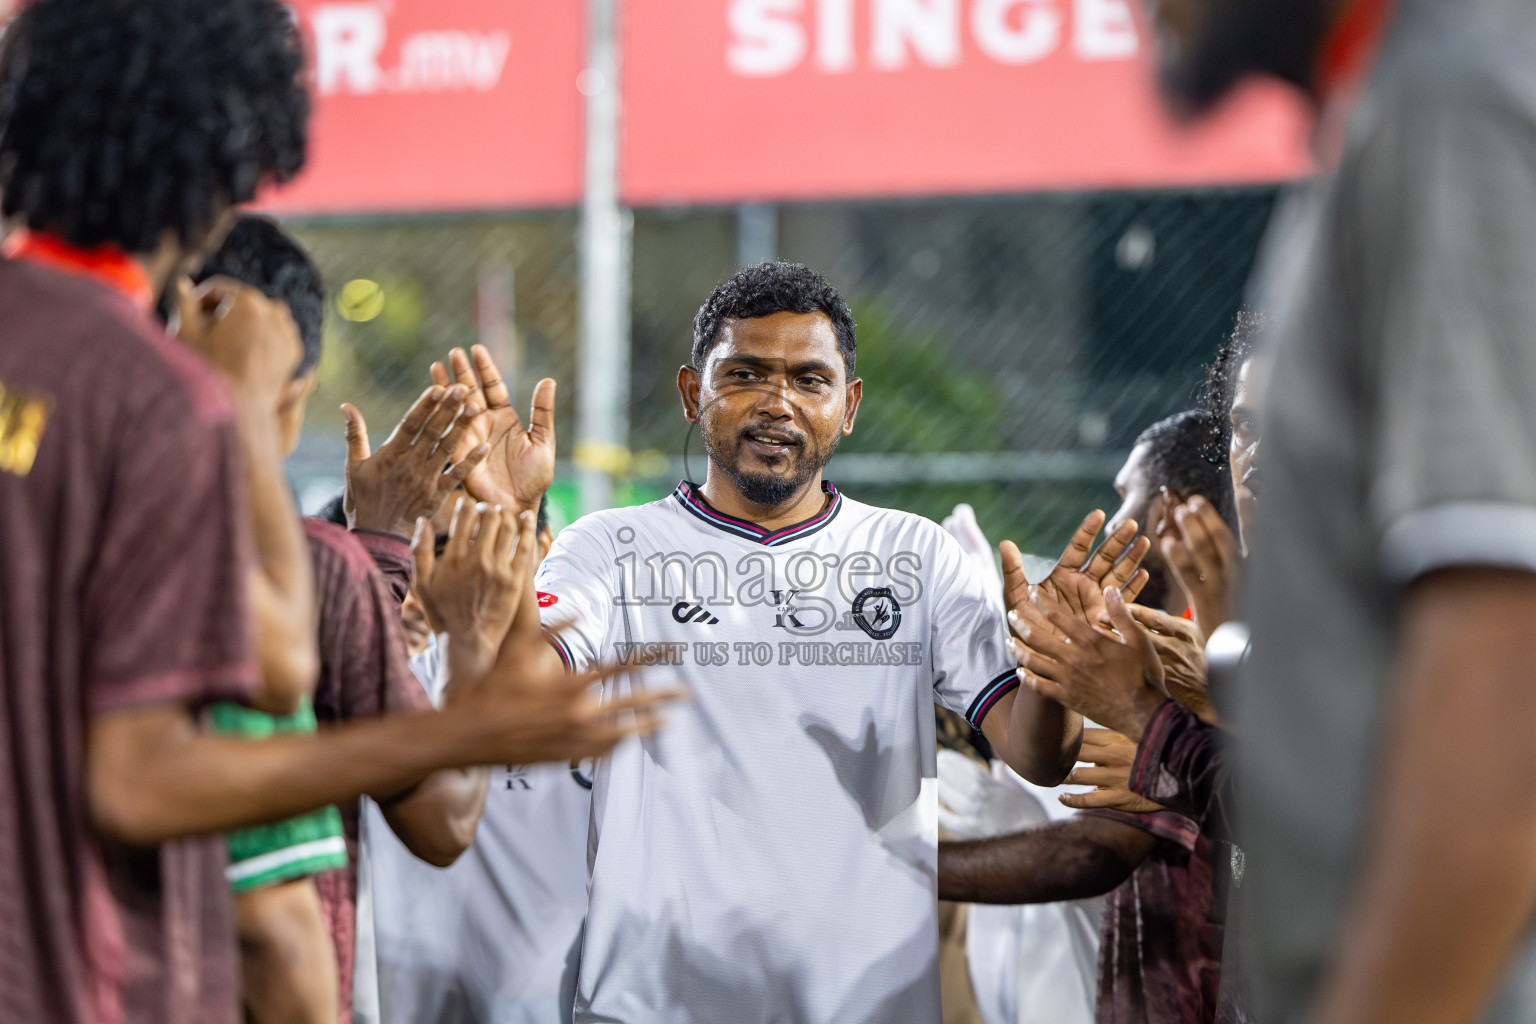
<point>123,561</point>
<point>365,672</point>
<point>1160,945</point>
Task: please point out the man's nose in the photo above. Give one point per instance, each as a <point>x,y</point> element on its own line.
<point>773,399</point>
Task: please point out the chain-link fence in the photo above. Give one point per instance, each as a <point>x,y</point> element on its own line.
<point>1011,347</point>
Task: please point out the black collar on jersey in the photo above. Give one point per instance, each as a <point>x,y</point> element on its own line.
<point>688,494</point>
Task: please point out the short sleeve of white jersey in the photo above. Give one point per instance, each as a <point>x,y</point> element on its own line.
<point>972,667</point>
<point>576,585</point>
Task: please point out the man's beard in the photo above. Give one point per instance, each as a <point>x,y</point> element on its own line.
<point>1241,37</point>
<point>768,489</point>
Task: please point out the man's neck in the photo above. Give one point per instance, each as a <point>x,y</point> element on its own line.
<point>721,493</point>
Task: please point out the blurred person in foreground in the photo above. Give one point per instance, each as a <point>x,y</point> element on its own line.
<point>129,602</point>
<point>1391,587</point>
<point>1387,808</point>
<point>1160,937</point>
<point>770,855</point>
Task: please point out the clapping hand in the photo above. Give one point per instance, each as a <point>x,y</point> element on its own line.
<point>1112,676</point>
<point>414,471</point>
<point>472,590</point>
<point>1109,756</point>
<point>1181,649</point>
<point>1204,555</point>
<point>521,464</point>
<point>1116,564</point>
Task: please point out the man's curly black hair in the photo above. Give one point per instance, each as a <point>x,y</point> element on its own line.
<point>768,288</point>
<point>1221,375</point>
<point>121,118</point>
<point>259,253</point>
<point>1187,453</point>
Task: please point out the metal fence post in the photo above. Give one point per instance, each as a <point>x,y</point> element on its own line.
<point>602,432</point>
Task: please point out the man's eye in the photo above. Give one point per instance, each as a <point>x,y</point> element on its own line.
<point>745,375</point>
<point>812,381</point>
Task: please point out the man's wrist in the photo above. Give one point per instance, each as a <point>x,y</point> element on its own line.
<point>466,661</point>
<point>1140,712</point>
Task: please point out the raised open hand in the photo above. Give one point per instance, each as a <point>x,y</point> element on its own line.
<point>521,464</point>
<point>1204,555</point>
<point>413,472</point>
<point>1109,756</point>
<point>1181,649</point>
<point>1080,576</point>
<point>1112,677</point>
<point>472,590</point>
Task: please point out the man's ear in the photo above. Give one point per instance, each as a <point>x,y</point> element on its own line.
<point>298,390</point>
<point>688,387</point>
<point>855,396</point>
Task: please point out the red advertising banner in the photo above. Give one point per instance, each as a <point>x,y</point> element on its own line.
<point>775,99</point>
<point>441,105</point>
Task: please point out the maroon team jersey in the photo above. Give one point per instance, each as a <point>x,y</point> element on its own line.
<point>123,560</point>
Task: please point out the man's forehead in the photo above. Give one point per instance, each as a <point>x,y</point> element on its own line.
<point>791,337</point>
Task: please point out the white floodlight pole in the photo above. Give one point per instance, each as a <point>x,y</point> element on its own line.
<point>602,414</point>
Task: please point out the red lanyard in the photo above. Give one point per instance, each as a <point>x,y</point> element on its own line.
<point>104,263</point>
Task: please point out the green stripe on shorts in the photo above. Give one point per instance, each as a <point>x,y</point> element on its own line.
<point>284,850</point>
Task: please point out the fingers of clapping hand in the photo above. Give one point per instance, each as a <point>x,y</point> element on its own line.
<point>1075,555</point>
<point>507,541</point>
<point>355,431</point>
<point>1108,555</point>
<point>461,529</point>
<point>524,562</point>
<point>415,419</point>
<point>1106,747</point>
<point>1136,637</point>
<point>1123,571</point>
<point>1132,589</point>
<point>1210,543</point>
<point>493,387</point>
<point>541,419</point>
<point>1093,775</point>
<point>1114,799</point>
<point>1015,586</point>
<point>444,430</point>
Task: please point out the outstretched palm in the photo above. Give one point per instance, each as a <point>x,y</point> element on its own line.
<point>521,463</point>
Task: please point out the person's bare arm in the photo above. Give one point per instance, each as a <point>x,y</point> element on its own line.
<point>252,341</point>
<point>1075,859</point>
<point>1036,736</point>
<point>1448,884</point>
<point>152,775</point>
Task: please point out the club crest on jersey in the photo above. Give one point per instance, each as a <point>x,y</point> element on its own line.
<point>876,612</point>
<point>685,611</point>
<point>545,600</point>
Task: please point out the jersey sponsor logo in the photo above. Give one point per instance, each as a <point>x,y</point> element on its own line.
<point>685,612</point>
<point>545,600</point>
<point>877,612</point>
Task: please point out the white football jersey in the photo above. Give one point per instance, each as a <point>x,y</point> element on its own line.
<point>770,854</point>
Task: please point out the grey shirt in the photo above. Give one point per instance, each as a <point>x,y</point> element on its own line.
<point>1400,436</point>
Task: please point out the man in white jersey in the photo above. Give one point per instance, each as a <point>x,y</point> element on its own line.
<point>770,855</point>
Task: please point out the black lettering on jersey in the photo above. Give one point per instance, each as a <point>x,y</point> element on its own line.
<point>784,605</point>
<point>685,612</point>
